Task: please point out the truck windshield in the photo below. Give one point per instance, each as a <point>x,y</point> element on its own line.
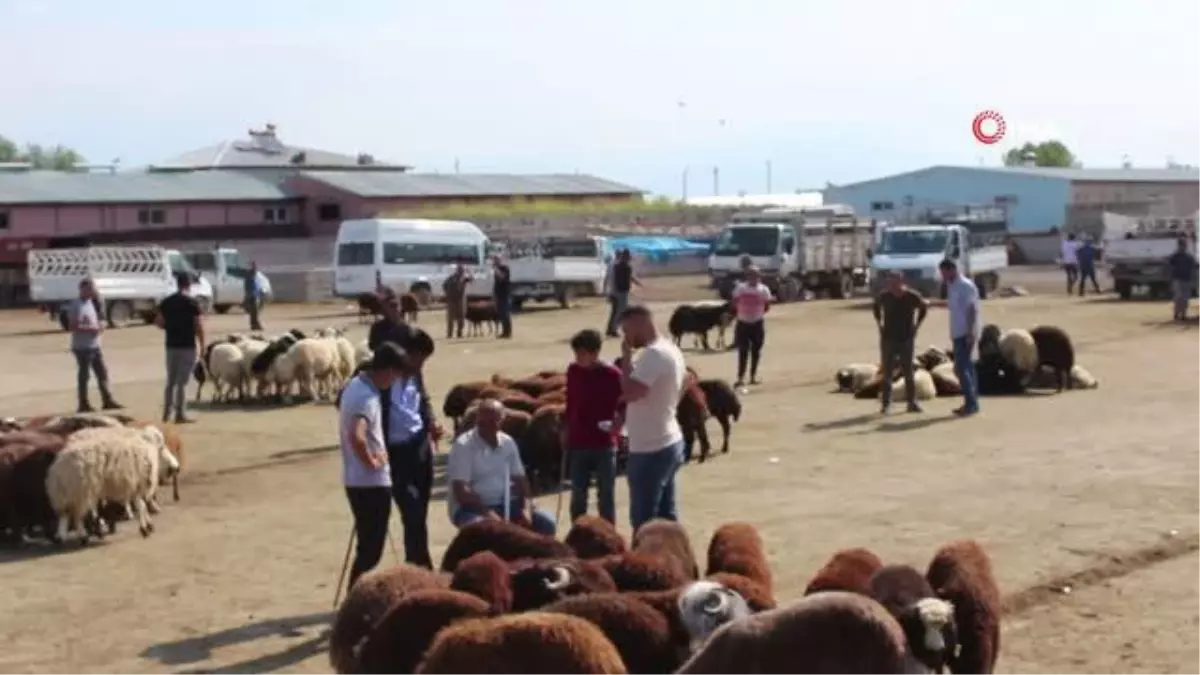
<point>913,241</point>
<point>178,263</point>
<point>754,241</point>
<point>395,253</point>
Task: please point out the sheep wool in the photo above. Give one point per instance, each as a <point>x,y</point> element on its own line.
<point>1018,348</point>
<point>533,642</point>
<point>227,370</point>
<point>852,377</point>
<point>1082,379</point>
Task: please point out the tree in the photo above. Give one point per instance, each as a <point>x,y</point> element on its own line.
<point>57,158</point>
<point>1048,153</point>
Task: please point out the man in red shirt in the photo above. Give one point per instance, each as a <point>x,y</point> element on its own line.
<point>594,418</point>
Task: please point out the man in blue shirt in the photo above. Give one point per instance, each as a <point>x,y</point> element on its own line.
<point>1086,256</point>
<point>252,295</point>
<point>962,299</point>
<point>1183,274</point>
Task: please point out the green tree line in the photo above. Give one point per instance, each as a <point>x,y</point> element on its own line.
<point>55,158</point>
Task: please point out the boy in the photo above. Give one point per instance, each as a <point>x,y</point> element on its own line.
<point>593,425</point>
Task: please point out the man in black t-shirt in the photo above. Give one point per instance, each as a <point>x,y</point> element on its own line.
<point>1183,274</point>
<point>502,295</point>
<point>619,282</point>
<point>179,317</point>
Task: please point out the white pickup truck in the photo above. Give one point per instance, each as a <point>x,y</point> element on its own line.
<point>976,243</point>
<point>130,280</point>
<point>1139,259</point>
<point>560,269</point>
<point>226,270</point>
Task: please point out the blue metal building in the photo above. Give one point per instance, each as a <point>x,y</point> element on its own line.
<point>1035,201</point>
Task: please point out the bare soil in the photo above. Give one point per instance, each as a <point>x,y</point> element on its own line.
<point>1096,490</point>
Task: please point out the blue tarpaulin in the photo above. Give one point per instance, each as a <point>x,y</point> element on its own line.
<point>659,248</point>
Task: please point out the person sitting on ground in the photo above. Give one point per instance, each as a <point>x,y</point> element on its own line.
<point>484,468</point>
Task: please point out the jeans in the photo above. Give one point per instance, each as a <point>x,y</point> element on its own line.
<point>504,314</point>
<point>179,369</point>
<point>371,507</point>
<point>411,466</point>
<point>1088,272</point>
<point>617,303</point>
<point>1072,271</point>
<point>598,462</point>
<point>651,477</point>
<point>964,367</point>
<point>543,522</point>
<point>87,360</point>
<point>893,350</point>
<point>749,337</point>
<point>1182,295</point>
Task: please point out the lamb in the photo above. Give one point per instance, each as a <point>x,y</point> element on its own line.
<point>723,404</point>
<point>367,601</point>
<point>536,583</point>
<point>854,376</point>
<point>927,621</point>
<point>848,570</point>
<point>594,537</point>
<point>961,573</point>
<point>738,548</point>
<point>640,633</point>
<point>1054,350</point>
<point>401,637</point>
<point>534,642</point>
<point>487,577</point>
<point>833,632</point>
<point>640,571</point>
<point>507,540</point>
<point>699,320</point>
<point>118,464</point>
<point>705,606</point>
<point>667,541</point>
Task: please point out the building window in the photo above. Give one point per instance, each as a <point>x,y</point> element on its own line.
<point>882,206</point>
<point>3,220</point>
<point>151,216</point>
<point>275,215</point>
<point>328,212</point>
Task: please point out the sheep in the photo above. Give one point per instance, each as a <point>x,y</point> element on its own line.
<point>1054,350</point>
<point>65,425</point>
<point>924,388</point>
<point>410,307</point>
<point>557,397</point>
<point>314,363</point>
<point>347,360</point>
<point>479,314</point>
<point>541,447</point>
<point>640,633</point>
<point>705,606</point>
<point>367,601</point>
<point>594,537</point>
<point>691,413</point>
<point>485,576</point>
<point>362,353</point>
<point>871,388</point>
<point>961,573</point>
<point>854,376</point>
<point>174,443</point>
<point>757,596</point>
<point>118,464</point>
<point>848,570</point>
<point>1082,379</point>
<point>667,541</point>
<point>401,637</point>
<point>262,364</point>
<point>932,358</point>
<point>460,396</point>
<point>833,632</point>
<point>1019,350</point>
<point>723,404</point>
<point>507,540</point>
<point>666,603</point>
<point>536,583</point>
<point>534,642</point>
<point>515,400</point>
<point>927,621</point>
<point>640,571</point>
<point>945,380</point>
<point>25,457</point>
<point>738,548</point>
<point>223,363</point>
<point>699,320</point>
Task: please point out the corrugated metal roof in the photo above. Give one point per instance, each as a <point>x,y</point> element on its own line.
<point>56,187</point>
<point>1083,175</point>
<point>263,149</point>
<point>380,184</point>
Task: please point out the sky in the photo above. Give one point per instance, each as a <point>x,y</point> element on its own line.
<point>643,92</point>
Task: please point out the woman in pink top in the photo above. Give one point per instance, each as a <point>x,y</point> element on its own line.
<point>751,299</point>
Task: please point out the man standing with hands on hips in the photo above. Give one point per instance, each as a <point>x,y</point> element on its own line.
<point>899,312</point>
<point>962,300</point>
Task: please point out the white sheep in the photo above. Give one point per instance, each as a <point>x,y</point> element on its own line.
<point>346,358</point>
<point>855,376</point>
<point>251,348</point>
<point>362,353</point>
<point>1018,348</point>
<point>1082,379</point>
<point>945,380</point>
<point>923,386</point>
<point>227,369</point>
<point>312,363</point>
<point>116,464</point>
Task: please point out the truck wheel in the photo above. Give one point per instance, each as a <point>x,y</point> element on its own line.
<point>564,297</point>
<point>1123,288</point>
<point>119,313</point>
<point>1158,291</point>
<point>517,303</point>
<point>222,309</point>
<point>148,316</point>
<point>981,283</point>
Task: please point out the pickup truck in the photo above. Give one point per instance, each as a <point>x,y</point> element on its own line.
<point>1140,261</point>
<point>975,242</point>
<point>560,269</point>
<point>226,270</point>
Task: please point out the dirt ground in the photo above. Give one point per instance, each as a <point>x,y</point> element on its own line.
<point>1095,489</point>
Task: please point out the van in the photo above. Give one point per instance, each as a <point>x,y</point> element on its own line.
<point>409,256</point>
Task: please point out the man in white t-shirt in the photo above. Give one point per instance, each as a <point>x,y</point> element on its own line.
<point>751,300</point>
<point>651,388</point>
<point>1070,260</point>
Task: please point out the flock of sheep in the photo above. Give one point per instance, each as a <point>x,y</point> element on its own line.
<point>1010,362</point>
<point>510,600</point>
<point>83,473</point>
<point>273,368</point>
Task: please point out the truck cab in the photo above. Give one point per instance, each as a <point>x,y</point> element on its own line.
<point>226,270</point>
<point>915,251</point>
<point>560,268</point>
<point>769,246</point>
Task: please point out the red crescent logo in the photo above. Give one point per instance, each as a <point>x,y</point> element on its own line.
<point>985,137</point>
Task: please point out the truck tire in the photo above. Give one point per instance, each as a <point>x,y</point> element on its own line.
<point>1160,290</point>
<point>1124,288</point>
<point>222,309</point>
<point>981,283</point>
<point>517,303</point>
<point>564,295</point>
<point>842,287</point>
<point>119,313</point>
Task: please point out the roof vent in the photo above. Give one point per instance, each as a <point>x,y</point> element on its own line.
<point>263,140</point>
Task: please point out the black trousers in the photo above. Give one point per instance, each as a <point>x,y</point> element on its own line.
<point>749,338</point>
<point>371,507</point>
<point>1085,274</point>
<point>411,465</point>
<point>252,310</point>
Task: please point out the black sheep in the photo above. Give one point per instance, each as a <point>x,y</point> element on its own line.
<point>1055,351</point>
<point>927,620</point>
<point>723,404</point>
<point>699,320</point>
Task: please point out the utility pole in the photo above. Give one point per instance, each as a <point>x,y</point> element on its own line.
<point>768,176</point>
<point>455,165</point>
<point>716,181</point>
<point>684,186</point>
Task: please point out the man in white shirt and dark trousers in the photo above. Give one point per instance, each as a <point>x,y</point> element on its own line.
<point>651,389</point>
<point>83,319</point>
<point>751,300</point>
<point>365,471</point>
<point>1070,261</point>
<point>483,469</point>
<point>962,300</point>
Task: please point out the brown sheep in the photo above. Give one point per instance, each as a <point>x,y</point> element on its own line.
<point>594,537</point>
<point>534,642</point>
<point>541,447</point>
<point>515,400</point>
<point>545,374</point>
<point>961,573</point>
<point>532,386</point>
<point>669,542</point>
<point>639,632</point>
<point>556,397</point>
<point>460,396</point>
<point>24,503</point>
<point>367,601</point>
<point>667,604</point>
<point>692,413</point>
<point>485,576</point>
<point>739,549</point>
<point>402,636</point>
<point>507,540</point>
<point>927,621</point>
<point>640,571</point>
<point>515,423</point>
<point>556,382</point>
<point>848,570</point>
<point>757,596</point>
<point>536,583</point>
<point>410,307</point>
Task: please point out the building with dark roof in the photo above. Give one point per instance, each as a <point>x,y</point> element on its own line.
<point>263,149</point>
<point>1037,199</point>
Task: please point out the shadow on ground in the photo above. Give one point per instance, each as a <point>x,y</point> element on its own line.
<point>200,648</point>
